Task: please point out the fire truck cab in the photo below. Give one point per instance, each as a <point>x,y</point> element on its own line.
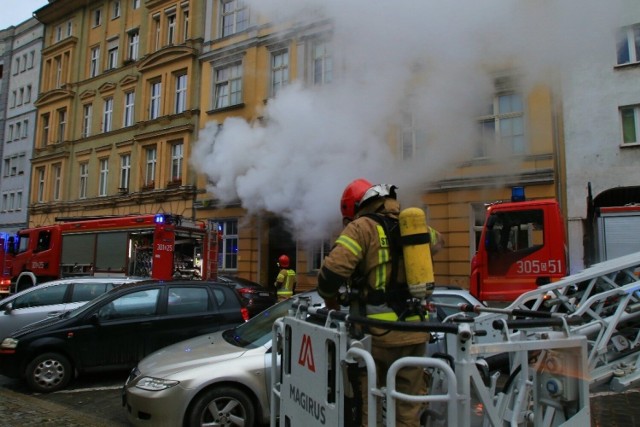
<point>159,246</point>
<point>522,247</point>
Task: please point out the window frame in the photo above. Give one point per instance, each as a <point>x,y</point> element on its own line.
<point>128,118</point>
<point>228,243</point>
<point>125,172</point>
<point>83,173</point>
<point>103,181</point>
<point>634,124</point>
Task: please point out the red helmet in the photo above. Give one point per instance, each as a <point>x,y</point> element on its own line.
<point>352,195</point>
<point>283,261</point>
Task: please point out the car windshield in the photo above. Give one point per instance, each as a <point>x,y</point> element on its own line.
<point>257,331</point>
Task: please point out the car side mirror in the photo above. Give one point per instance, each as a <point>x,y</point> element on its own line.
<point>8,308</point>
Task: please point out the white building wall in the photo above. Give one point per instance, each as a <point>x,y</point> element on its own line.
<point>593,91</point>
<point>25,80</point>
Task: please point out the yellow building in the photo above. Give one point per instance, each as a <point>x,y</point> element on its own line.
<point>118,108</point>
<point>128,86</point>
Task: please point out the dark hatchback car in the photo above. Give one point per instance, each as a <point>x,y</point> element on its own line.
<point>255,296</point>
<point>116,330</point>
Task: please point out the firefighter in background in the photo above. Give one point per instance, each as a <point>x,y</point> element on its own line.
<point>365,257</point>
<point>286,281</point>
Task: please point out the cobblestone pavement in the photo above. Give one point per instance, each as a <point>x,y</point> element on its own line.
<point>608,409</point>
<point>17,409</point>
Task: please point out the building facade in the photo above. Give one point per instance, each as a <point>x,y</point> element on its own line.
<point>601,109</point>
<point>20,122</point>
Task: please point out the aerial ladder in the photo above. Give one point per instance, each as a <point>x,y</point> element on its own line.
<point>532,363</point>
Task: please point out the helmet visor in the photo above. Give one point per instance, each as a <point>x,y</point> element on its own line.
<point>378,190</point>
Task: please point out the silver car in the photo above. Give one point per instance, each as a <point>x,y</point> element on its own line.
<point>51,299</point>
<point>221,378</point>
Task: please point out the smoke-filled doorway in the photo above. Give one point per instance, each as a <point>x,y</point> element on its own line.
<point>280,243</point>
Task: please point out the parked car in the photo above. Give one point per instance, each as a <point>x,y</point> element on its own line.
<point>51,299</point>
<point>117,329</point>
<point>255,296</point>
<point>221,376</point>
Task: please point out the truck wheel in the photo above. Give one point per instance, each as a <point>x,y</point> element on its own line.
<point>48,372</point>
<point>23,284</point>
<point>224,406</point>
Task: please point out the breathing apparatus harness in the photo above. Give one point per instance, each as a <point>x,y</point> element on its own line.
<point>396,295</point>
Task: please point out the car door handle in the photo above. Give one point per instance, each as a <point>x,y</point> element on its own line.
<point>54,313</point>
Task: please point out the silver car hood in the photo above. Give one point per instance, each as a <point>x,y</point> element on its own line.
<point>192,353</point>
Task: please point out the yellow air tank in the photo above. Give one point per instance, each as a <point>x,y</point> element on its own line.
<point>416,250</point>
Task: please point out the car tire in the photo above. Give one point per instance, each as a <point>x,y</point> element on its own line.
<point>48,372</point>
<point>234,407</point>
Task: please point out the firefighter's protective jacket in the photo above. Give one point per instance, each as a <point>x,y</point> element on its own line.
<point>285,282</point>
<point>362,249</point>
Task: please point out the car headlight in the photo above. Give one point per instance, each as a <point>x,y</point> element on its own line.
<point>11,343</point>
<point>155,384</point>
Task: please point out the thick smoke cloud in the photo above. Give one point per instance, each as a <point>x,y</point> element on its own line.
<point>313,141</point>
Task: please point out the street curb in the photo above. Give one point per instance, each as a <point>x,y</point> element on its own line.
<point>51,412</point>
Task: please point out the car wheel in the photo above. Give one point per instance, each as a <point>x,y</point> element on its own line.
<point>48,372</point>
<point>224,406</point>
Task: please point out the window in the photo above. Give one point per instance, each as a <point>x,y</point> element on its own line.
<point>503,129</point>
<point>235,17</point>
<point>176,161</point>
<point>185,25</point>
<point>25,128</point>
<point>57,181</point>
<point>136,4</point>
<point>125,172</point>
<point>97,17</point>
<point>630,124</point>
<point>62,124</point>
<point>629,45</point>
<point>10,133</point>
<point>132,305</point>
<point>58,33</point>
<point>156,31</point>
<point>322,63</point>
<point>18,132</point>
<point>84,180</point>
<point>94,67</point>
<point>51,295</point>
<point>181,93</point>
<point>16,66</point>
<point>115,9</point>
<point>32,56</point>
<point>279,71</point>
<point>87,113</point>
<point>58,65</point>
<point>171,29</point>
<point>228,244</point>
<point>150,173</point>
<point>88,291</point>
<point>228,86</point>
<point>478,214</point>
<point>19,200</point>
<point>104,176</point>
<point>134,43</point>
<point>129,104</point>
<point>112,54</point>
<point>318,254</point>
<point>187,300</point>
<point>69,33</point>
<point>27,95</point>
<point>40,173</point>
<point>107,116</point>
<point>45,130</point>
<point>154,102</point>
<point>412,138</point>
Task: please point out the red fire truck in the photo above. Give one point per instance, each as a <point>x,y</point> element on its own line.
<point>522,246</point>
<point>160,246</point>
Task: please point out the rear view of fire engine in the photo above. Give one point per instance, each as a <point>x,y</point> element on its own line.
<point>160,246</point>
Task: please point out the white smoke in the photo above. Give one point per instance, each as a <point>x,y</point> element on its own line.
<point>312,142</point>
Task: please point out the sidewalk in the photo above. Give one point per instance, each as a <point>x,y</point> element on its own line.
<point>21,410</point>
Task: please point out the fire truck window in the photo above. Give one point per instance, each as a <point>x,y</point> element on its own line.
<point>187,300</point>
<point>44,240</point>
<point>43,296</point>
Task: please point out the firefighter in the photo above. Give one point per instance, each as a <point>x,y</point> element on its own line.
<point>366,257</point>
<point>286,281</point>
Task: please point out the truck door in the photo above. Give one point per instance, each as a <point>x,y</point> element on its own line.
<point>521,248</point>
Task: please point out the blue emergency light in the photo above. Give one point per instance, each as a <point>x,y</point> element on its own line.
<point>517,194</point>
<point>159,219</point>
